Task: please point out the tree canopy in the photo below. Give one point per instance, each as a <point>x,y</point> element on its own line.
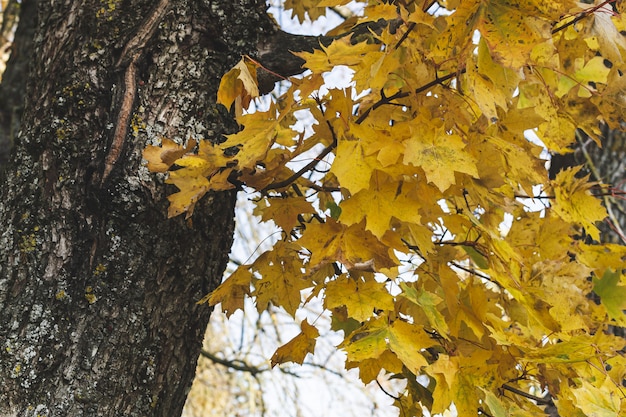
<point>417,208</point>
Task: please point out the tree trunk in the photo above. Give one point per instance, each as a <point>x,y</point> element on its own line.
<point>97,286</point>
<point>13,86</point>
<point>607,165</point>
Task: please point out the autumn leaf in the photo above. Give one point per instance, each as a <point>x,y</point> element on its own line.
<point>352,166</point>
<point>297,348</point>
<point>574,203</point>
<point>231,293</point>
<point>353,246</point>
<point>282,278</point>
<point>415,205</point>
<point>407,342</point>
<point>239,84</point>
<point>339,52</point>
<point>495,405</point>
<point>370,368</point>
<point>161,158</point>
<point>511,31</point>
<point>367,342</point>
<point>254,141</point>
<point>440,156</point>
<point>594,401</point>
<point>607,34</point>
<point>612,295</point>
<point>191,187</point>
<point>285,212</point>
<point>361,298</point>
<point>429,302</point>
<point>303,8</point>
<point>384,200</point>
<point>593,71</point>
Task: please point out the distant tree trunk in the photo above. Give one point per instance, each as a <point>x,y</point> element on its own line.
<point>97,286</point>
<point>605,164</point>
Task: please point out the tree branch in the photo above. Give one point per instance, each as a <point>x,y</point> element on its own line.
<point>275,52</point>
<point>308,166</point>
<point>241,366</point>
<point>538,400</point>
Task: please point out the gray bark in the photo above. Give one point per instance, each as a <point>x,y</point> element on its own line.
<point>97,286</point>
<point>13,86</point>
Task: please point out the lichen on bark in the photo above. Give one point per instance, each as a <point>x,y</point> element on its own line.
<point>97,286</point>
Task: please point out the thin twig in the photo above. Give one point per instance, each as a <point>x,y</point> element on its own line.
<point>476,273</point>
<point>538,400</point>
<point>582,15</point>
<point>306,168</point>
<point>386,393</point>
<point>241,366</point>
<point>405,35</point>
<point>401,94</point>
<point>483,412</point>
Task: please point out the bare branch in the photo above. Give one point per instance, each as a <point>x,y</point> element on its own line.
<point>237,366</point>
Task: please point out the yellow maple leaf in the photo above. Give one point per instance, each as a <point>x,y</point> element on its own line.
<point>353,246</point>
<point>455,38</point>
<point>598,401</point>
<point>361,298</point>
<point>593,71</point>
<point>255,140</point>
<point>484,93</point>
<point>574,203</point>
<point>352,166</point>
<point>407,341</point>
<point>282,278</point>
<point>384,200</point>
<point>429,303</point>
<point>285,211</point>
<point>370,368</point>
<point>239,84</point>
<point>232,292</point>
<point>491,85</point>
<point>557,131</point>
<point>440,155</point>
<point>578,348</point>
<point>459,378</point>
<point>339,52</point>
<point>378,336</point>
<point>511,29</point>
<point>607,33</point>
<point>192,187</point>
<point>161,158</point>
<point>367,342</point>
<point>303,8</point>
<point>297,348</point>
<point>444,371</point>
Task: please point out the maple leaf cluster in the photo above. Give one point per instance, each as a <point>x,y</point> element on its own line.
<point>393,206</point>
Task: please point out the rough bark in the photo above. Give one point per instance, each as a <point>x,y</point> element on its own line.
<point>13,86</point>
<point>97,286</point>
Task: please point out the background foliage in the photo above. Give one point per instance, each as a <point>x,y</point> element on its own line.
<point>410,206</point>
